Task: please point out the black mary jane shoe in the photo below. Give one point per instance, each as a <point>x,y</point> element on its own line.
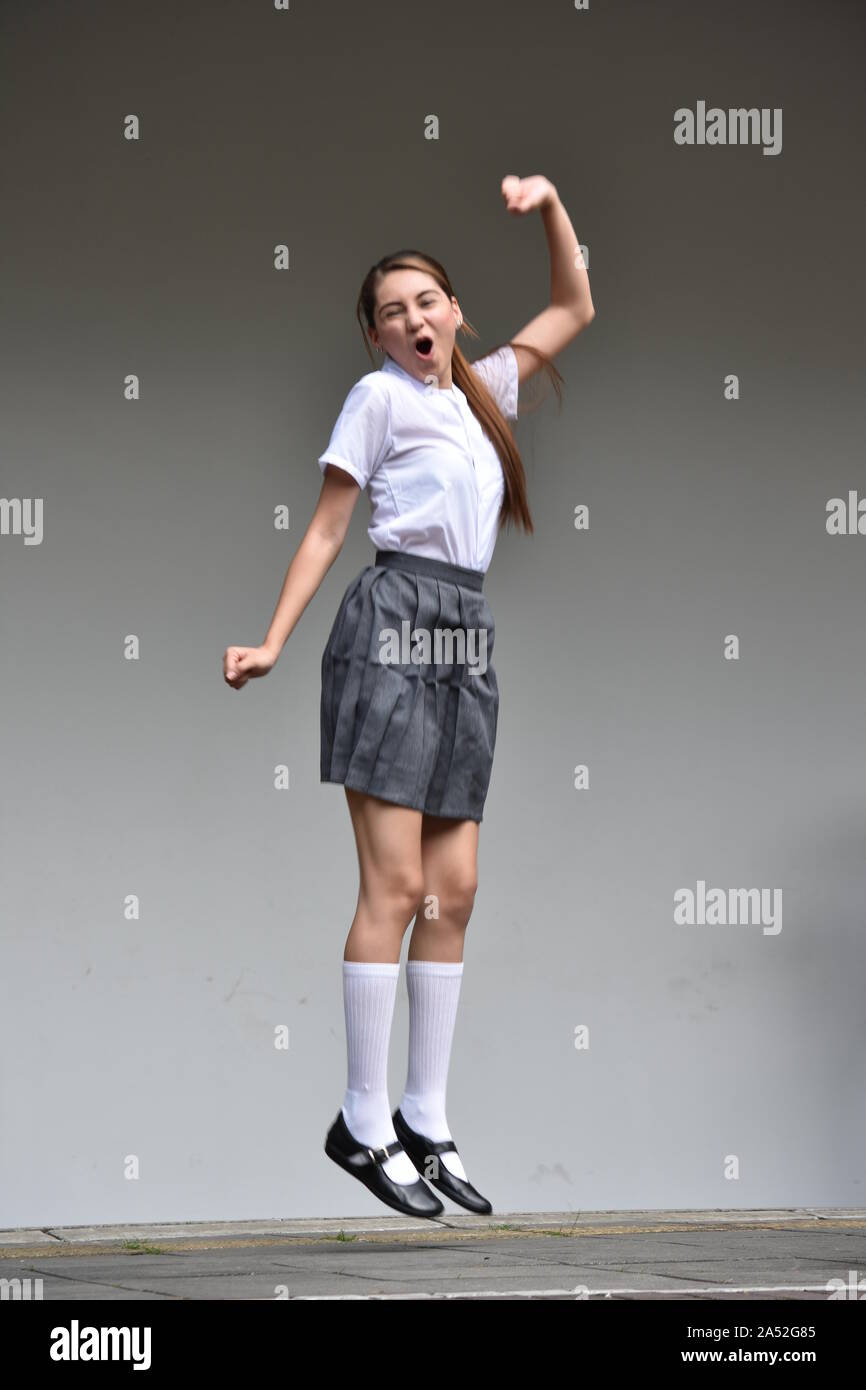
<point>365,1164</point>
<point>420,1149</point>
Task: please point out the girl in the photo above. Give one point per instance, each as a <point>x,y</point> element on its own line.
<point>410,731</point>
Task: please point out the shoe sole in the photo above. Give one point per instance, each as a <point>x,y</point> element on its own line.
<point>440,1187</point>
<point>338,1157</point>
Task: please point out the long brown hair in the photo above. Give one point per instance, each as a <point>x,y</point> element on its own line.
<point>515,506</point>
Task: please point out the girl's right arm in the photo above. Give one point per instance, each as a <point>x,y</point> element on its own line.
<point>313,558</point>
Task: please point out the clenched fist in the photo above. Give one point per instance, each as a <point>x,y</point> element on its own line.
<point>241,663</point>
<point>522,195</point>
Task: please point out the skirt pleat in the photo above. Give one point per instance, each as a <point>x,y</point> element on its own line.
<point>417,734</point>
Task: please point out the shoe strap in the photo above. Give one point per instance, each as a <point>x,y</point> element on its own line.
<point>443,1146</point>
<point>383,1152</point>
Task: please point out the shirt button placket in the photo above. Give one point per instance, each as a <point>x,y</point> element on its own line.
<point>477,487</point>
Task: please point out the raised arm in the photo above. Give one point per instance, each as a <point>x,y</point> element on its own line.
<point>571,307</point>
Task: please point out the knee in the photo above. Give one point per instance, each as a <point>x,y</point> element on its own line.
<point>405,892</point>
<point>457,897</point>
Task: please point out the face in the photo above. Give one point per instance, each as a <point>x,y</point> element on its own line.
<point>411,308</point>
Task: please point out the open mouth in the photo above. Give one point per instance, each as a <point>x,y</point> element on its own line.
<point>424,346</point>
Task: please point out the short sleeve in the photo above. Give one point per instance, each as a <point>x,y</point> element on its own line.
<point>498,371</point>
<point>361,436</point>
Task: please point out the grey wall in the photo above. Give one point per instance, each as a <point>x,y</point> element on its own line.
<point>154,1037</point>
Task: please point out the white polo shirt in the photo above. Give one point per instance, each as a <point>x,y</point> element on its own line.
<point>433,477</point>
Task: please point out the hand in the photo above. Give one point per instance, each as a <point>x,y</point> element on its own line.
<point>523,195</point>
<point>240,663</point>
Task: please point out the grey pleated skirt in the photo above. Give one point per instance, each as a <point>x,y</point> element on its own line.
<point>410,701</point>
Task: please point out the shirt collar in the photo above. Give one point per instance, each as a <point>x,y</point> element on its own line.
<point>389,365</point>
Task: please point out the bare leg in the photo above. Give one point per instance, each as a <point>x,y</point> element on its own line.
<point>449,855</point>
<point>388,840</point>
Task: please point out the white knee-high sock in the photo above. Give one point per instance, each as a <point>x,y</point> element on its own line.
<point>434,988</point>
<point>369,992</point>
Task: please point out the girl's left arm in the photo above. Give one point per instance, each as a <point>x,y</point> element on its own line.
<point>571,307</point>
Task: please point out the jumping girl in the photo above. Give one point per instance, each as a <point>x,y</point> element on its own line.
<point>410,733</point>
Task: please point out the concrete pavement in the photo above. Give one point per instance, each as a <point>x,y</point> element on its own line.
<point>708,1255</point>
